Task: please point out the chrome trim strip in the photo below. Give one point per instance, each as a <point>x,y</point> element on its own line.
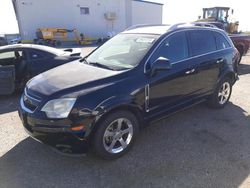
<point>198,56</point>
<point>25,92</point>
<point>24,107</point>
<point>147,98</point>
<point>184,30</point>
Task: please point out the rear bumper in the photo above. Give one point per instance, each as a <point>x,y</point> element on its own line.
<point>59,135</point>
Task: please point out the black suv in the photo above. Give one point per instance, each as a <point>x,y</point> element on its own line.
<point>140,75</point>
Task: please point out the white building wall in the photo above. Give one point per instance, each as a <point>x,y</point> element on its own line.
<point>34,14</point>
<point>146,13</point>
<point>128,8</point>
<point>95,24</point>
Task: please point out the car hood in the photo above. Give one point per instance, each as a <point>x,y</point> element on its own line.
<point>67,76</point>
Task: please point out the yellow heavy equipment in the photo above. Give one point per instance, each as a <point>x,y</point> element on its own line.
<point>55,36</point>
<point>220,17</point>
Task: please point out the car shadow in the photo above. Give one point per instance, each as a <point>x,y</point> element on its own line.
<point>9,103</point>
<point>199,147</point>
<point>244,67</point>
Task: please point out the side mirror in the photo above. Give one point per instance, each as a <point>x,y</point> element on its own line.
<point>160,64</point>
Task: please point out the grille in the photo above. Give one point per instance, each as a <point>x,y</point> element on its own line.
<point>30,102</point>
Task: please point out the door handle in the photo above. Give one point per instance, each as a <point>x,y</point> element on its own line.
<point>219,60</point>
<point>190,71</point>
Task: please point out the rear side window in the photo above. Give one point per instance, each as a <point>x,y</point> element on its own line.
<point>173,48</point>
<point>221,41</point>
<point>202,42</point>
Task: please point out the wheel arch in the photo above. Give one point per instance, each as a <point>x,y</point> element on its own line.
<point>226,74</point>
<point>122,106</point>
<point>136,111</point>
<point>229,74</point>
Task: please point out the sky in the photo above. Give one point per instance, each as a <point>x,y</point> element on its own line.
<point>177,11</point>
<point>174,11</point>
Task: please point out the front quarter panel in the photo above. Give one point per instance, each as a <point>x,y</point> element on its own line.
<point>127,93</point>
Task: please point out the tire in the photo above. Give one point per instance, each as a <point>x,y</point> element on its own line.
<point>221,94</point>
<point>115,135</point>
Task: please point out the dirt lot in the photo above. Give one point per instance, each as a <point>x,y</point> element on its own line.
<point>199,147</point>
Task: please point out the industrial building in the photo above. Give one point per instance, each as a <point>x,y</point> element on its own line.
<point>93,18</point>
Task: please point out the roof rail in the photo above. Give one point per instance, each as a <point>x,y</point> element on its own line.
<point>144,25</point>
<point>196,24</point>
<point>203,24</point>
<point>175,26</point>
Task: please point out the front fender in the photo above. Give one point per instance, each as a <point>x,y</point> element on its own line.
<point>115,102</point>
<point>110,104</point>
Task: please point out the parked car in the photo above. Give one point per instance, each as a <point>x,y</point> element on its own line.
<point>138,76</point>
<point>241,42</point>
<point>19,63</point>
<point>3,41</point>
<point>17,40</point>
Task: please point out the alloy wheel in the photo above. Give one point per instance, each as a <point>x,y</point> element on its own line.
<point>224,93</point>
<point>118,135</point>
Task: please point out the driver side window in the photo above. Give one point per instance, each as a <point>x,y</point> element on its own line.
<point>173,48</point>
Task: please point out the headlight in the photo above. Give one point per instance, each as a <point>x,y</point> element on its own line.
<point>59,108</point>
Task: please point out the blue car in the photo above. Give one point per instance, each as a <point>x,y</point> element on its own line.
<point>21,62</point>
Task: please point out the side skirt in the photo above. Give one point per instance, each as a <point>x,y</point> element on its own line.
<point>173,111</point>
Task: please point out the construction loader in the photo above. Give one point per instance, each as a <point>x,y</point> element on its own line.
<point>54,36</point>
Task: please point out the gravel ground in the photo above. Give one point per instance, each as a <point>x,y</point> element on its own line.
<point>199,147</point>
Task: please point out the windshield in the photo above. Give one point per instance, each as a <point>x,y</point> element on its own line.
<point>220,14</point>
<point>211,13</point>
<point>124,51</point>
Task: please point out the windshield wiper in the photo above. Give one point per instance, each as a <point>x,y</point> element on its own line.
<point>96,64</point>
<point>84,60</point>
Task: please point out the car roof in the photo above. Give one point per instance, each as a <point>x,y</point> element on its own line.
<point>148,29</point>
<point>162,29</point>
<point>32,46</point>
